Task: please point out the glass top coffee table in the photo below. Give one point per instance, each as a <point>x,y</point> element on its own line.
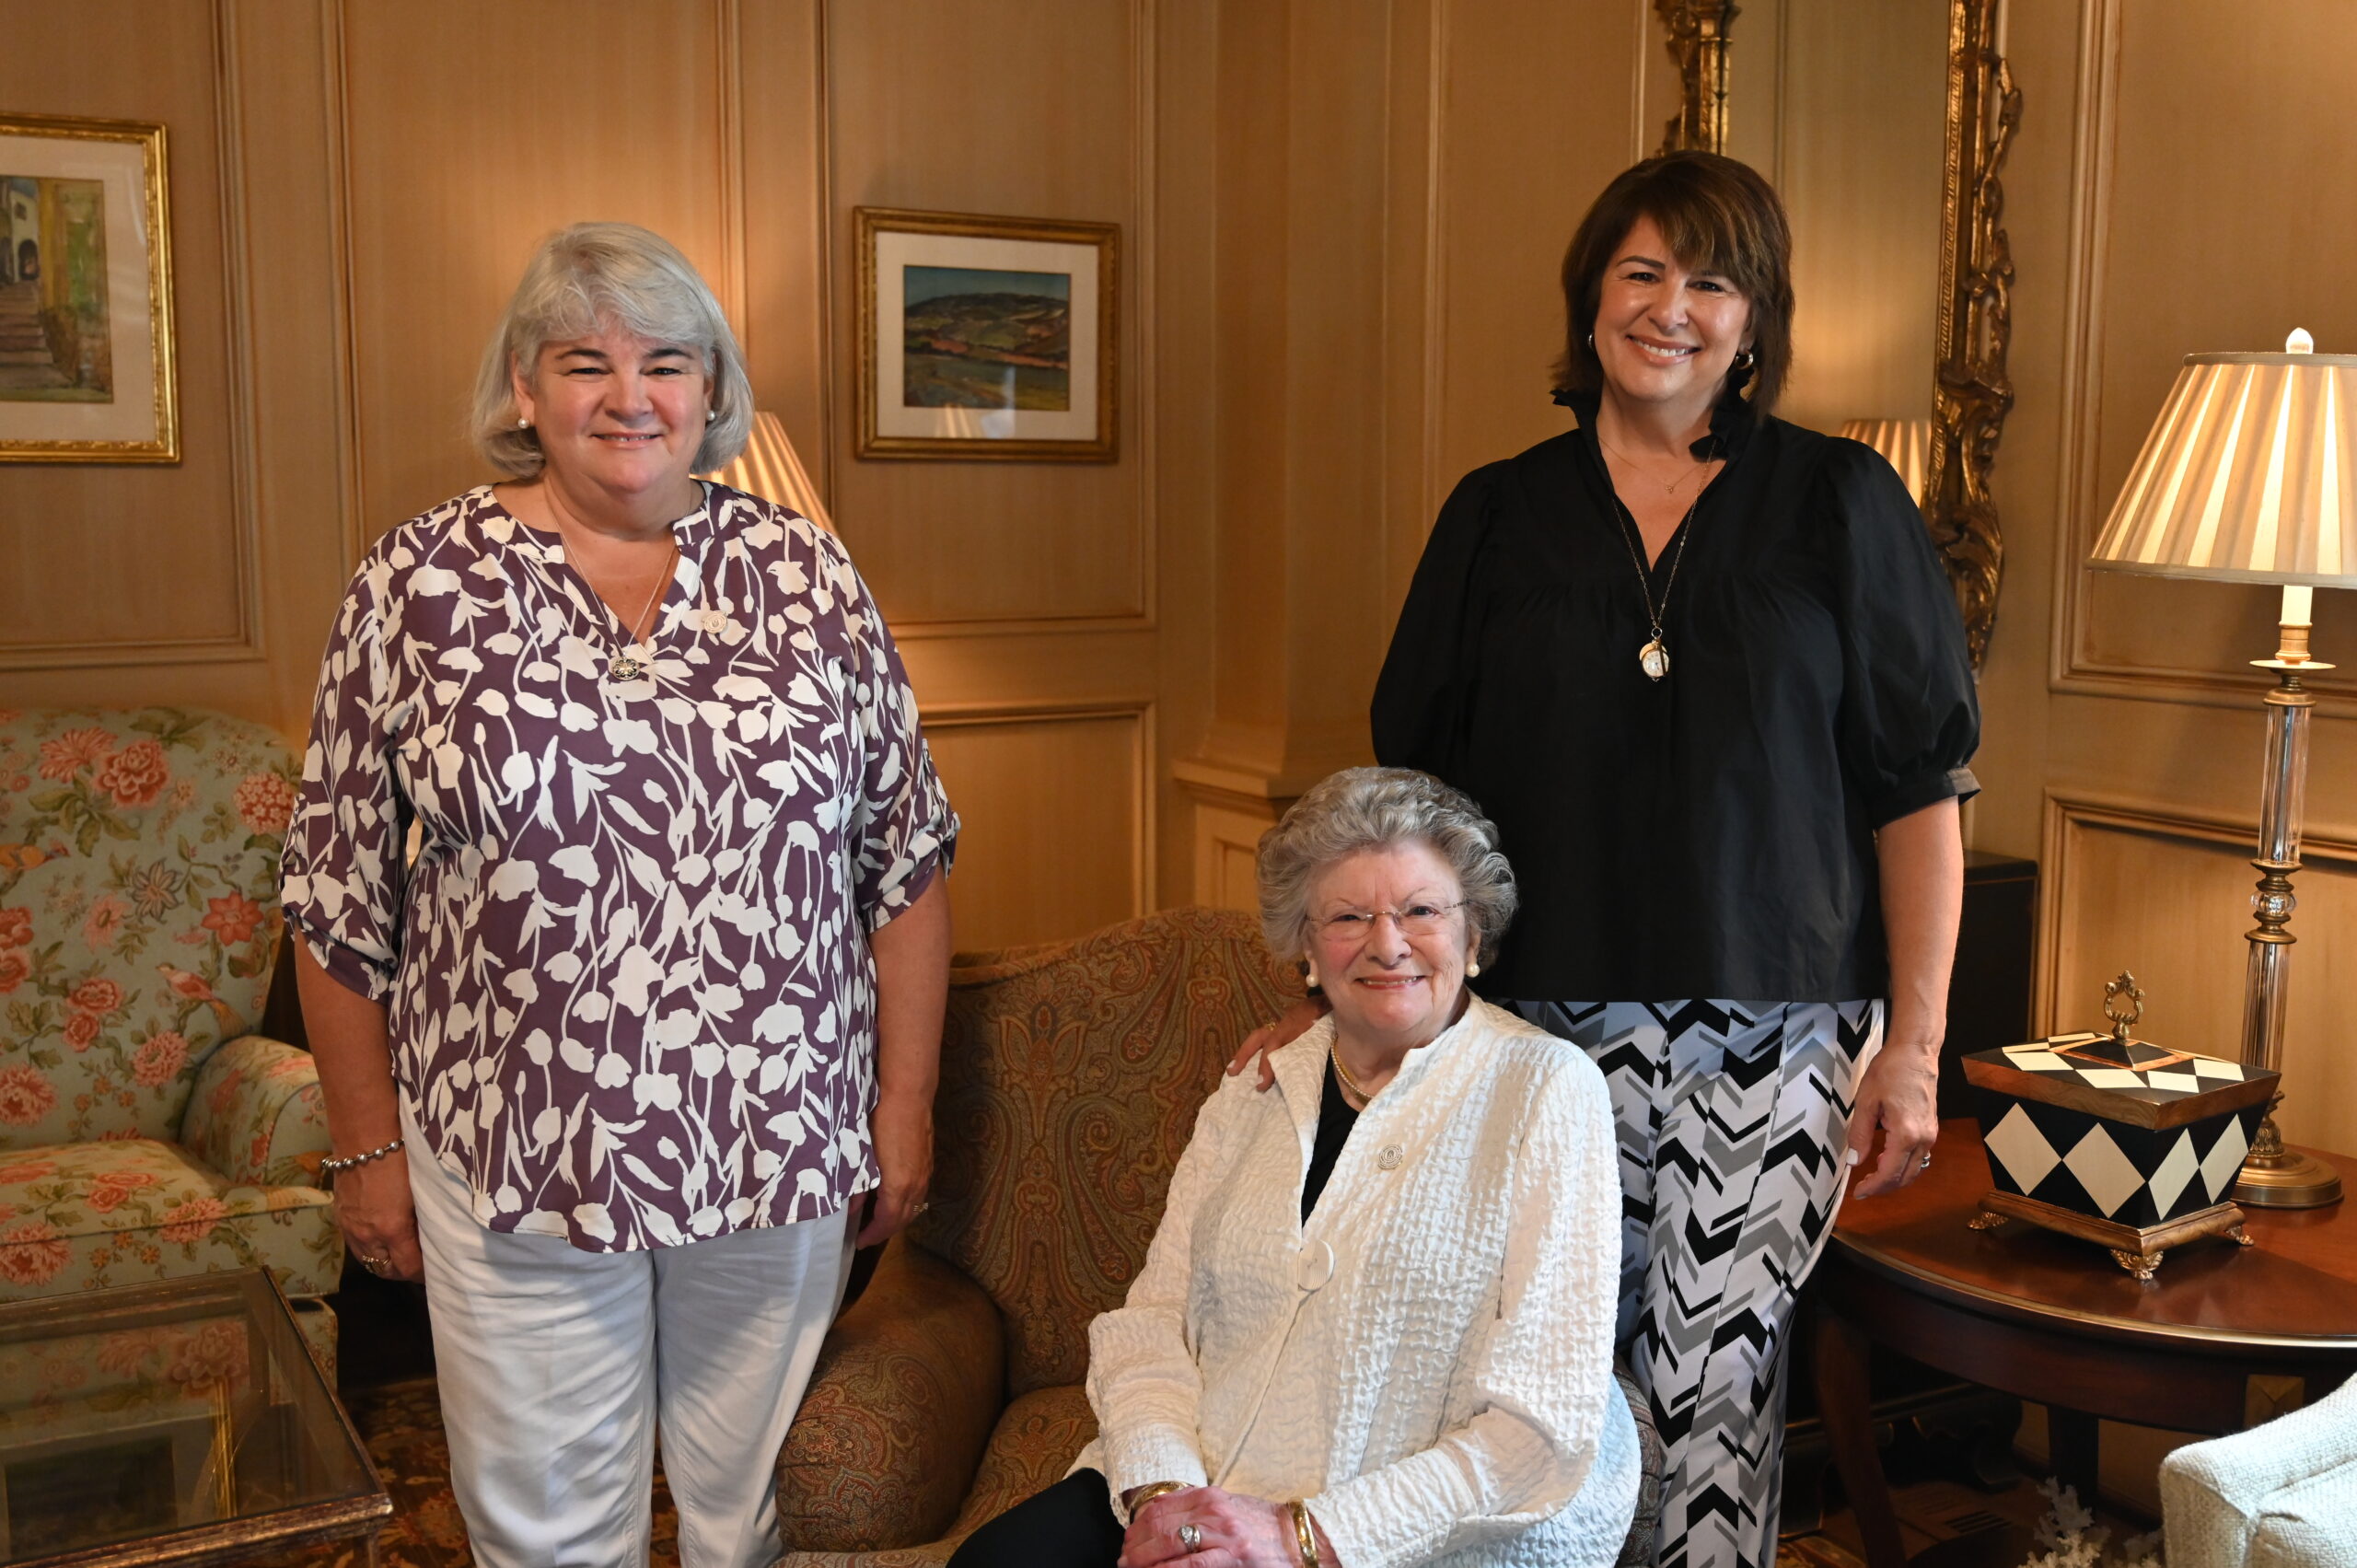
<point>178,1423</point>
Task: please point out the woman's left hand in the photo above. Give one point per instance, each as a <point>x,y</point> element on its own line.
<point>1900,1093</point>
<point>1235,1531</point>
<point>903,1132</point>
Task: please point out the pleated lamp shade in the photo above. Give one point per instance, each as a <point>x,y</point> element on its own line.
<point>1907,443</point>
<point>2249,474</point>
<point>768,468</point>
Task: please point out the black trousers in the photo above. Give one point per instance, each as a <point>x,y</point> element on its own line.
<point>1071,1525</point>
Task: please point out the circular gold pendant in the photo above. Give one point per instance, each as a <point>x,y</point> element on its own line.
<point>1653,660</point>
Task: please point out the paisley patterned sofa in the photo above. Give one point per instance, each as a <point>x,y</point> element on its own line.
<point>1071,1075</point>
<point>144,1131</point>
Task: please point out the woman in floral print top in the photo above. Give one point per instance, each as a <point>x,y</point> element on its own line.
<point>664,980</point>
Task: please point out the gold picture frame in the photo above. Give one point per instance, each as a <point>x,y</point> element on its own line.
<point>1015,358</point>
<point>1972,389</point>
<point>86,340</point>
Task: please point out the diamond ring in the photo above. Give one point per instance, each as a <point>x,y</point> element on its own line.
<point>1191,1535</point>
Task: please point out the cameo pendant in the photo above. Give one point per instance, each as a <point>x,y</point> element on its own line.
<point>1653,660</point>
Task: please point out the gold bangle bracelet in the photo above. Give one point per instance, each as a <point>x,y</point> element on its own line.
<point>1147,1493</point>
<point>1305,1534</point>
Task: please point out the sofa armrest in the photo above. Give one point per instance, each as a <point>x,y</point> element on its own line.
<point>2236,1499</point>
<point>900,1406</point>
<point>257,1116</point>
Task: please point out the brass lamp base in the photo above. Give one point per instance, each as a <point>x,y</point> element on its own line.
<point>2286,1181</point>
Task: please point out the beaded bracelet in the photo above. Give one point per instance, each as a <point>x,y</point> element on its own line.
<point>1304,1533</point>
<point>331,1165</point>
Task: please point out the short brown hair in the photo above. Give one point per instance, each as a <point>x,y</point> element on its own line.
<point>1718,215</point>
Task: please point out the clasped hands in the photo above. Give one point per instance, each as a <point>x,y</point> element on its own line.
<point>1231,1531</point>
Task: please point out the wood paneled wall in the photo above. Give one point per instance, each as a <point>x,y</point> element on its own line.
<point>2177,187</point>
<point>1341,223</point>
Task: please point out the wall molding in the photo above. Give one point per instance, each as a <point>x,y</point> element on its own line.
<point>2069,814</point>
<point>246,645</point>
<point>1134,398</point>
<point>1139,711</point>
<point>2079,504</point>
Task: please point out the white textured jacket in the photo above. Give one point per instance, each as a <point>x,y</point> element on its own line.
<point>1428,1361</point>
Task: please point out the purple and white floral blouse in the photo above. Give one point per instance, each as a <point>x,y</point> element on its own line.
<point>627,979</point>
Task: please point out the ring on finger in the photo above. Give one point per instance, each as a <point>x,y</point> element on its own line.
<point>1191,1535</point>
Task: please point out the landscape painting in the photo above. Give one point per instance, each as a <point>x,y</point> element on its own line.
<point>53,341</point>
<point>87,358</point>
<point>979,337</point>
<point>987,337</point>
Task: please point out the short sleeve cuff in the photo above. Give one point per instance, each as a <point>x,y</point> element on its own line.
<point>897,895</point>
<point>1925,789</point>
<point>363,976</point>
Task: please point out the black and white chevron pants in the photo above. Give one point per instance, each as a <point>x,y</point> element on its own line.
<point>1731,1120</point>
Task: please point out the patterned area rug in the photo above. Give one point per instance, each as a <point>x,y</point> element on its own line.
<point>402,1424</point>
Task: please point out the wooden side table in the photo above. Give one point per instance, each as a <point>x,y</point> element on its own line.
<point>2226,1336</point>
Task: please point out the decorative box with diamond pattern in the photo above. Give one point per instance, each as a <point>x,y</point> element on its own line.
<point>2116,1140</point>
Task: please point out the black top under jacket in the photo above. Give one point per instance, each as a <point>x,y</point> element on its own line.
<point>1335,1119</point>
<point>1711,835</point>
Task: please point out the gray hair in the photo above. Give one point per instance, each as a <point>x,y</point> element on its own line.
<point>1373,808</point>
<point>583,280</point>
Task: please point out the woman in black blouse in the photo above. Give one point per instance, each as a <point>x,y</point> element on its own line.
<point>1703,670</point>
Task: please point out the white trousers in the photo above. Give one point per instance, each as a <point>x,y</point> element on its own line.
<point>557,1366</point>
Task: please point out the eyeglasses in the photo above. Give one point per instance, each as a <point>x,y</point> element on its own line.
<point>1416,920</point>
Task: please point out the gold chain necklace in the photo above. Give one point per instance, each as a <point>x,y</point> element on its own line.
<point>1348,1083</point>
<point>626,665</point>
<point>1673,487</point>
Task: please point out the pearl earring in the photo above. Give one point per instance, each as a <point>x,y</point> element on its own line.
<point>523,423</point>
<point>711,415</point>
<point>1473,970</point>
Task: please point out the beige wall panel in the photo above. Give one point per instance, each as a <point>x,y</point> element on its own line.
<point>1515,181</point>
<point>2215,230</point>
<point>474,131</point>
<point>1055,808</point>
<point>781,84</point>
<point>2170,899</point>
<point>1026,109</point>
<point>134,562</point>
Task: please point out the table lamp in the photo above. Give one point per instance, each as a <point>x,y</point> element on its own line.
<point>1907,443</point>
<point>2248,478</point>
<point>768,468</point>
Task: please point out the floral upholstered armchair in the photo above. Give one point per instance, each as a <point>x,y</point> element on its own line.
<point>144,1131</point>
<point>1071,1075</point>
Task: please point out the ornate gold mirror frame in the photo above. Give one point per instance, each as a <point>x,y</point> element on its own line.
<point>1972,390</point>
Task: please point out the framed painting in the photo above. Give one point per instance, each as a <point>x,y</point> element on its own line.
<point>984,338</point>
<point>86,293</point>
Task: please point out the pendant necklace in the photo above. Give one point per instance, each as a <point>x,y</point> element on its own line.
<point>635,657</point>
<point>1654,657</point>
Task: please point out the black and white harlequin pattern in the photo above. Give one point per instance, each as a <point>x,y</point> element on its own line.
<point>1732,1118</point>
<point>2154,1075</point>
<point>2129,1175</point>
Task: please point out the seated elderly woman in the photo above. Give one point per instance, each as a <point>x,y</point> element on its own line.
<point>1375,1325</point>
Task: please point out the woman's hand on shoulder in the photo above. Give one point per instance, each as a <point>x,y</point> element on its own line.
<point>1294,1022</point>
<point>1234,1531</point>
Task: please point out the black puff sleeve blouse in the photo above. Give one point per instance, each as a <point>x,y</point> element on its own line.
<point>1711,835</point>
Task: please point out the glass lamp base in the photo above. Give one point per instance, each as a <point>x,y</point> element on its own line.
<point>2286,1181</point>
